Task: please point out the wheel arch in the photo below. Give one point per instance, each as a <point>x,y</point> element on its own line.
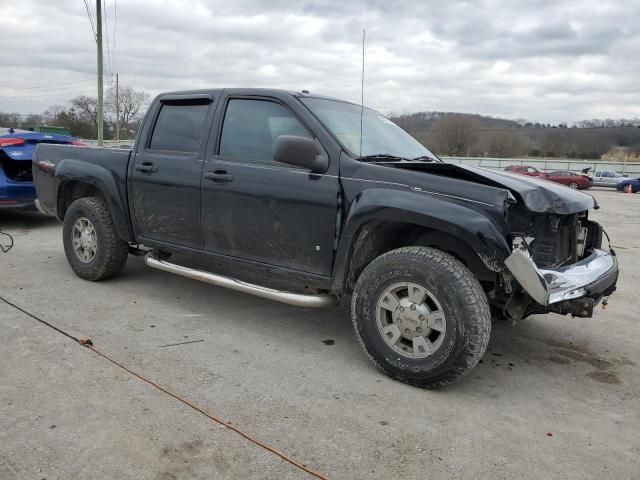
<point>79,179</point>
<point>379,225</point>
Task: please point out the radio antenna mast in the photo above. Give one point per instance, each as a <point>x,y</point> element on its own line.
<point>362,90</point>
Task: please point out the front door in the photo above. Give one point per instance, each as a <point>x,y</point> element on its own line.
<point>257,209</point>
<point>166,174</point>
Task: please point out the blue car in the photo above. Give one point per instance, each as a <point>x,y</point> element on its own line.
<point>631,184</point>
<point>16,152</point>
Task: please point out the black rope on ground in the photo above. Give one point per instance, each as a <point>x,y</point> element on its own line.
<point>4,248</point>
<point>44,322</point>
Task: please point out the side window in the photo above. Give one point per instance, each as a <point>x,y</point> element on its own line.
<point>251,127</point>
<point>597,174</point>
<point>179,127</point>
<point>606,174</point>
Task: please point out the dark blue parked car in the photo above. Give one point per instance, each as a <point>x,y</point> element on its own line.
<point>632,184</point>
<point>16,152</point>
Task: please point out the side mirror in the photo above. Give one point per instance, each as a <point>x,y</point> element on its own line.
<point>302,152</point>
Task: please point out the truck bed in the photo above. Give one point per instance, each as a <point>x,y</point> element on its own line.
<point>52,162</point>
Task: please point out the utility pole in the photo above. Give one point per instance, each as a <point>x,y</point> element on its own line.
<point>117,110</point>
<point>100,74</point>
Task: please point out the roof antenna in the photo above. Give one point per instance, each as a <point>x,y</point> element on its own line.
<point>362,90</point>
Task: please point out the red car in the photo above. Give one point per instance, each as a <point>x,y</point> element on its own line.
<point>564,177</point>
<point>570,179</point>
<point>525,170</point>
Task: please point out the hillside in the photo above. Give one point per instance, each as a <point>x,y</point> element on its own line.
<point>461,134</point>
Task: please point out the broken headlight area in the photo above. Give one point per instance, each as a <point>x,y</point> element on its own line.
<point>558,265</point>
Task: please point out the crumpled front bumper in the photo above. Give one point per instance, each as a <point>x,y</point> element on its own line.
<point>594,276</point>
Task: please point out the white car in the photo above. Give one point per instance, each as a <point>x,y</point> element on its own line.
<point>607,178</point>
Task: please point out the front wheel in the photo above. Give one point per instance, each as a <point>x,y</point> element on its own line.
<point>421,316</point>
<point>573,185</point>
<point>91,243</point>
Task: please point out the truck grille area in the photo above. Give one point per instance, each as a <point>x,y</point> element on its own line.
<point>16,170</point>
<point>557,240</point>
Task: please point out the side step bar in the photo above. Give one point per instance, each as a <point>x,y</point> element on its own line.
<point>297,299</point>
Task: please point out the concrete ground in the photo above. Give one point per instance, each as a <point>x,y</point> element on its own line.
<point>555,397</point>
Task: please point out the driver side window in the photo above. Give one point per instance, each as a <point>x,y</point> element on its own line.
<point>251,127</point>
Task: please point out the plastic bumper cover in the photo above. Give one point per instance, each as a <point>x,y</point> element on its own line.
<point>595,275</point>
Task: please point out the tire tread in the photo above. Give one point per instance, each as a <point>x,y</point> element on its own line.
<point>469,286</point>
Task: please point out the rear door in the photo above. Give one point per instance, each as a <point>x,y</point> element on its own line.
<point>609,179</point>
<point>257,209</point>
<point>166,171</point>
<point>559,177</point>
<point>597,177</point>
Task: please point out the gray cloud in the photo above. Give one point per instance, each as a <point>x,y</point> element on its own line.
<point>549,60</point>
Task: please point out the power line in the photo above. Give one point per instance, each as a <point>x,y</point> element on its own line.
<point>106,28</point>
<point>51,91</point>
<point>39,94</point>
<point>48,100</point>
<point>90,15</point>
<point>11,90</point>
<point>115,25</point>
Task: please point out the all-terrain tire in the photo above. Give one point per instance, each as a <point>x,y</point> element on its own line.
<point>456,289</point>
<point>111,252</point>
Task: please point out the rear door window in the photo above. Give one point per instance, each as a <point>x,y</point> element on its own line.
<point>179,127</point>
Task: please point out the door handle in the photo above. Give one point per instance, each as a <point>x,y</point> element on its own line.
<point>146,167</point>
<point>219,176</point>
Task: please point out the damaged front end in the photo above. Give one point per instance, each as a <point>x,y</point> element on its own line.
<point>558,265</point>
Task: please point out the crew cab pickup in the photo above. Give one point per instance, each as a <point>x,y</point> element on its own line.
<point>305,199</point>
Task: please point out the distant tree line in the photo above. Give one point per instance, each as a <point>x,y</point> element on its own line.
<point>460,134</point>
<point>445,133</point>
<point>80,115</point>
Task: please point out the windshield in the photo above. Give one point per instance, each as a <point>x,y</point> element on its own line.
<point>380,136</point>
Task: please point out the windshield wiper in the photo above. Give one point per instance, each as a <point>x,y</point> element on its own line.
<point>381,156</point>
<point>425,158</point>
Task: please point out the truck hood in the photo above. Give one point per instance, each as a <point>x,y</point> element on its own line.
<point>538,195</point>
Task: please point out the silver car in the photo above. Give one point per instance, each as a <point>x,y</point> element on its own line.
<point>607,178</point>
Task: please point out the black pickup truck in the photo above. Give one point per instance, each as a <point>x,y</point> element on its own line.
<point>307,199</point>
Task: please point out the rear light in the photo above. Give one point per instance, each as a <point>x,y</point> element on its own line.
<point>10,142</point>
<point>78,143</point>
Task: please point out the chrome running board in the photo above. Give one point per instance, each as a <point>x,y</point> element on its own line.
<point>297,299</point>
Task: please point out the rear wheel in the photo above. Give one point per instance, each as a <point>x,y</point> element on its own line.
<point>91,243</point>
<point>628,188</point>
<point>573,185</point>
<point>421,316</point>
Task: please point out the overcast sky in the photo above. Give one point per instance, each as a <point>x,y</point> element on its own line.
<point>544,60</point>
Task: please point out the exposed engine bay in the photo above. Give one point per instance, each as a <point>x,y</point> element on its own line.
<point>554,240</point>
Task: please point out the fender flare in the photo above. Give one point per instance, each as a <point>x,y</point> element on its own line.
<point>473,227</point>
<point>69,170</point>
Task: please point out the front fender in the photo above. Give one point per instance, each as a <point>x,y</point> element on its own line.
<point>102,179</point>
<point>470,225</point>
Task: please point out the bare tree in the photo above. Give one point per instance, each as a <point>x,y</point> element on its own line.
<point>87,108</point>
<point>130,106</point>
<point>454,133</point>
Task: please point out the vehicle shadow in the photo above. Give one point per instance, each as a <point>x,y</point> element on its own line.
<point>24,219</point>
